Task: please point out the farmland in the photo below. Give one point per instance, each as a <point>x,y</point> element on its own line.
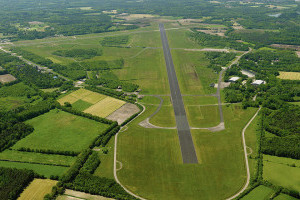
<point>58,130</point>
<point>289,75</point>
<point>37,189</point>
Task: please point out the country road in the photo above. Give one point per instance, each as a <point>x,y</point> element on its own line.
<point>183,128</point>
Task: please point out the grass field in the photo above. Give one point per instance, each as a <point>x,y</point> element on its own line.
<point>105,169</point>
<point>199,100</point>
<point>193,75</point>
<point>36,157</point>
<point>45,170</point>
<point>259,193</point>
<point>58,130</point>
<point>105,107</point>
<point>152,163</point>
<point>251,142</point>
<point>9,103</point>
<point>203,116</point>
<point>179,39</point>
<point>37,189</point>
<point>289,75</point>
<point>278,171</point>
<point>165,117</point>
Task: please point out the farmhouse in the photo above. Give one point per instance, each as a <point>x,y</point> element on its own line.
<point>234,79</point>
<point>258,82</point>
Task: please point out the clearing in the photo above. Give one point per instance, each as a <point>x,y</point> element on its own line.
<point>61,131</point>
<point>37,189</point>
<point>7,78</point>
<point>289,75</point>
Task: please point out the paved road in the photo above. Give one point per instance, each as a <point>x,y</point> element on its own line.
<point>183,129</point>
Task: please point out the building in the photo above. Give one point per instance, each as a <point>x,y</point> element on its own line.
<point>258,82</point>
<point>234,79</point>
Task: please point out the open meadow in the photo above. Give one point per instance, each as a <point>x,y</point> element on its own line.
<point>259,193</point>
<point>61,131</point>
<point>37,189</point>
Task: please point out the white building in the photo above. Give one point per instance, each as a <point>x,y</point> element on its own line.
<point>234,79</point>
<point>258,82</point>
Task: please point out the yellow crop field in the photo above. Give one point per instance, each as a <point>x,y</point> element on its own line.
<point>93,98</point>
<point>289,75</point>
<point>67,98</point>
<point>37,189</point>
<point>105,107</point>
<point>81,93</point>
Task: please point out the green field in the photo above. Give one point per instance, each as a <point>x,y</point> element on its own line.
<point>199,100</point>
<point>279,171</point>
<point>81,105</point>
<point>203,116</point>
<point>105,169</point>
<point>284,197</point>
<point>193,75</point>
<point>259,193</point>
<point>45,170</point>
<point>251,142</point>
<point>58,130</point>
<point>179,39</point>
<point>165,117</point>
<point>36,157</point>
<point>152,163</point>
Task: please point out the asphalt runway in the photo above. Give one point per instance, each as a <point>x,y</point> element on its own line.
<point>183,128</point>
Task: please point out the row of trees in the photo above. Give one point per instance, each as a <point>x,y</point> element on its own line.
<point>91,164</point>
<point>113,84</point>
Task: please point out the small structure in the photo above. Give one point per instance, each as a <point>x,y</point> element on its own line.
<point>79,84</point>
<point>234,79</point>
<point>258,82</point>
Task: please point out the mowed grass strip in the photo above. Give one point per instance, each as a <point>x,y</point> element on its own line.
<point>105,107</point>
<point>259,193</point>
<point>289,75</point>
<point>61,131</point>
<point>36,157</point>
<point>37,189</point>
<point>45,170</point>
<point>279,171</point>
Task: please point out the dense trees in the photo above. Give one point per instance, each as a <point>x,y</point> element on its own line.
<point>218,59</point>
<point>216,41</point>
<point>13,182</point>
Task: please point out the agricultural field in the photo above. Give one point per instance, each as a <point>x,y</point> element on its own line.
<point>61,131</point>
<point>152,164</point>
<point>282,171</point>
<point>259,193</point>
<point>284,197</point>
<point>75,195</point>
<point>92,102</point>
<point>289,75</point>
<point>37,189</point>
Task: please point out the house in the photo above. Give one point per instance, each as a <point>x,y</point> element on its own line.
<point>234,79</point>
<point>258,82</point>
